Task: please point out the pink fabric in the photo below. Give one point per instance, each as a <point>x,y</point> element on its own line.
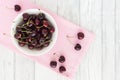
<point>62,46</point>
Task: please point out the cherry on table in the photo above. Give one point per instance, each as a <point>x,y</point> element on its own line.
<point>53,64</point>
<point>77,47</point>
<point>62,69</point>
<point>62,59</point>
<point>80,35</point>
<point>17,7</point>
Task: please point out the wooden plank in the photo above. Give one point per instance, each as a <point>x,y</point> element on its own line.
<point>41,72</point>
<point>52,4</point>
<point>24,68</point>
<point>90,18</point>
<point>69,10</point>
<point>6,64</point>
<point>117,39</point>
<point>108,33</point>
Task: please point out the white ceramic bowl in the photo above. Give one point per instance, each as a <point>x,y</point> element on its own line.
<point>25,49</point>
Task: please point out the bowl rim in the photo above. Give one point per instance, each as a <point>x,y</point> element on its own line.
<point>39,52</point>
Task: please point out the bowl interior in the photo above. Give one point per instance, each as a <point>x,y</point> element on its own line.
<point>25,49</point>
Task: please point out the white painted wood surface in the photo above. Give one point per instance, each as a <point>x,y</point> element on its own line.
<point>102,61</point>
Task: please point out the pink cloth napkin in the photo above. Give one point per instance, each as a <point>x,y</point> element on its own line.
<point>62,46</point>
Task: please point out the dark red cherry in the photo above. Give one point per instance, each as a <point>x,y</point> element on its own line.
<point>17,35</point>
<point>30,46</point>
<point>18,29</point>
<point>80,35</point>
<point>37,21</point>
<point>49,36</point>
<point>41,16</point>
<point>33,17</point>
<point>77,47</point>
<point>34,42</point>
<point>62,59</point>
<point>42,40</point>
<point>46,44</point>
<point>38,47</point>
<point>21,44</point>
<point>45,23</point>
<point>52,30</point>
<point>53,64</point>
<point>33,34</point>
<point>30,39</point>
<point>25,16</point>
<point>17,7</point>
<point>45,31</point>
<point>62,69</point>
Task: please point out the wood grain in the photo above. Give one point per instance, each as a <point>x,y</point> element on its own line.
<point>117,39</point>
<point>6,64</point>
<point>90,18</point>
<point>108,39</point>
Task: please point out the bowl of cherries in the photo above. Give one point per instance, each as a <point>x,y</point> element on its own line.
<point>34,32</point>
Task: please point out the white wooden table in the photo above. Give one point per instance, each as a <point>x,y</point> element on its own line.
<point>102,61</point>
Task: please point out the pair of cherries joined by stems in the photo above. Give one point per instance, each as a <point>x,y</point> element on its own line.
<point>80,36</point>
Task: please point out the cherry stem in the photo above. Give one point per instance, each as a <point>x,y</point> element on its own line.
<point>23,25</point>
<point>6,35</point>
<point>46,42</point>
<point>9,8</point>
<point>39,27</point>
<point>68,37</point>
<point>24,37</point>
<point>26,31</point>
<point>54,53</point>
<point>22,41</point>
<point>28,22</point>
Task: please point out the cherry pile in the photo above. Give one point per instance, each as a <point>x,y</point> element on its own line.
<point>35,31</point>
<point>61,59</point>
